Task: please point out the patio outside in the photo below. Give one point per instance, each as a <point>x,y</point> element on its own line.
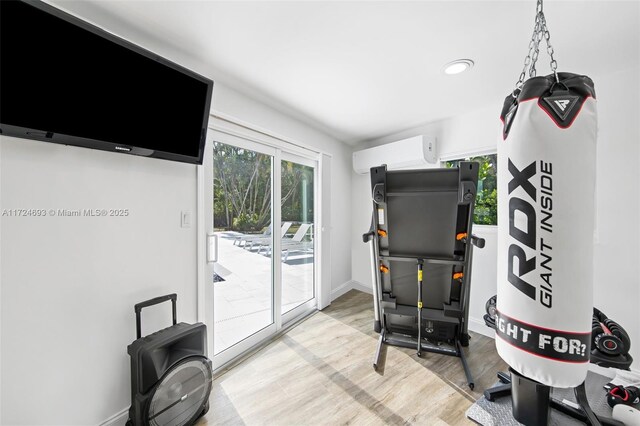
<point>243,280</point>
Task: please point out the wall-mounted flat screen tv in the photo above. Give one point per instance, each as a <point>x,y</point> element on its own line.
<point>66,81</point>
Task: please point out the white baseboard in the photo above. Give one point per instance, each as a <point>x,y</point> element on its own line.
<point>478,326</point>
<point>349,285</point>
<point>118,419</point>
<point>341,289</point>
<point>357,285</point>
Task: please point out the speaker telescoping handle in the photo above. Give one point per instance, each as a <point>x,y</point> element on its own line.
<point>138,308</point>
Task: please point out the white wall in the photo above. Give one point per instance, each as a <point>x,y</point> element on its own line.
<point>231,103</point>
<point>616,267</point>
<point>617,287</point>
<point>69,283</point>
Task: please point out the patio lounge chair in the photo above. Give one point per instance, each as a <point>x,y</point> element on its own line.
<point>243,238</point>
<point>261,240</point>
<point>292,244</point>
<point>301,246</point>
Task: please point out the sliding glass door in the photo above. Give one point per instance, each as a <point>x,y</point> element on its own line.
<point>264,273</point>
<point>297,206</point>
<point>242,216</point>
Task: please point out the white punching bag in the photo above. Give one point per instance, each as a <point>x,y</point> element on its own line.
<point>546,209</point>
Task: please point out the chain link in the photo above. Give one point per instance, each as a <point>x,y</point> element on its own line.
<point>540,32</point>
<point>547,37</point>
<point>537,38</point>
<point>528,60</point>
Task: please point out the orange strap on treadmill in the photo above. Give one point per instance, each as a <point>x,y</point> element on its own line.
<point>458,275</point>
<point>384,269</point>
<point>382,232</point>
<point>461,235</point>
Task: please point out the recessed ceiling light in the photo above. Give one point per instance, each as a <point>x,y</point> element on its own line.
<point>458,66</point>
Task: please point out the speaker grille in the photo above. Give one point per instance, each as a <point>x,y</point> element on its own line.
<point>181,394</point>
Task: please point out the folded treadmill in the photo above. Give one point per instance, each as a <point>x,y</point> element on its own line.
<point>421,250</point>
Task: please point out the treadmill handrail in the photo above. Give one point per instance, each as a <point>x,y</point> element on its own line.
<point>371,233</point>
<point>367,237</point>
<point>477,241</point>
<point>421,192</point>
<point>432,260</point>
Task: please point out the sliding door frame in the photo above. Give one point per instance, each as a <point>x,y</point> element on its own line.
<point>303,308</point>
<point>259,141</point>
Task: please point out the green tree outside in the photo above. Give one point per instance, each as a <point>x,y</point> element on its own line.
<point>486,209</point>
<point>242,190</point>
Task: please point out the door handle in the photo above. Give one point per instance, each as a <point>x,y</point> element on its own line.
<point>212,248</point>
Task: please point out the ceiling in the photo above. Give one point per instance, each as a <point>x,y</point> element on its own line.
<point>361,70</point>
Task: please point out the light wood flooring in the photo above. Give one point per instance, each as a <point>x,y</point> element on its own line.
<point>320,373</point>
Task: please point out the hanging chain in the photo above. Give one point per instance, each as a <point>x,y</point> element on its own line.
<point>540,32</point>
<point>529,64</point>
<point>536,38</point>
<point>547,38</point>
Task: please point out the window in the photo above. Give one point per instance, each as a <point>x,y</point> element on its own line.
<point>486,212</point>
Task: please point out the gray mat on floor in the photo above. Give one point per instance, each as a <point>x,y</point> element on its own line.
<point>498,413</point>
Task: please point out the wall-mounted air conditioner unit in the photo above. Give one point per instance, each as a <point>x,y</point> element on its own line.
<point>415,152</point>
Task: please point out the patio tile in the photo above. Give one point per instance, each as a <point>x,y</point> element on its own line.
<point>242,304</point>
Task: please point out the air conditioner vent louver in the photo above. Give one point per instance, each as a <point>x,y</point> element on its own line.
<point>415,152</point>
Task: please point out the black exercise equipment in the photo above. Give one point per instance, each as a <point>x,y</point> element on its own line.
<point>534,399</point>
<point>171,377</point>
<point>421,248</point>
<point>629,395</point>
<point>536,393</point>
<point>610,342</point>
<point>490,316</point>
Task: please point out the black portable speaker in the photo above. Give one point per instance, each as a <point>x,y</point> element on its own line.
<point>171,377</point>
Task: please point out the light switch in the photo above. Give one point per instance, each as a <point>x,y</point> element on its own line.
<point>185,221</point>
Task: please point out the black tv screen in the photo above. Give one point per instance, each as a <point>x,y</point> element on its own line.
<point>66,81</point>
